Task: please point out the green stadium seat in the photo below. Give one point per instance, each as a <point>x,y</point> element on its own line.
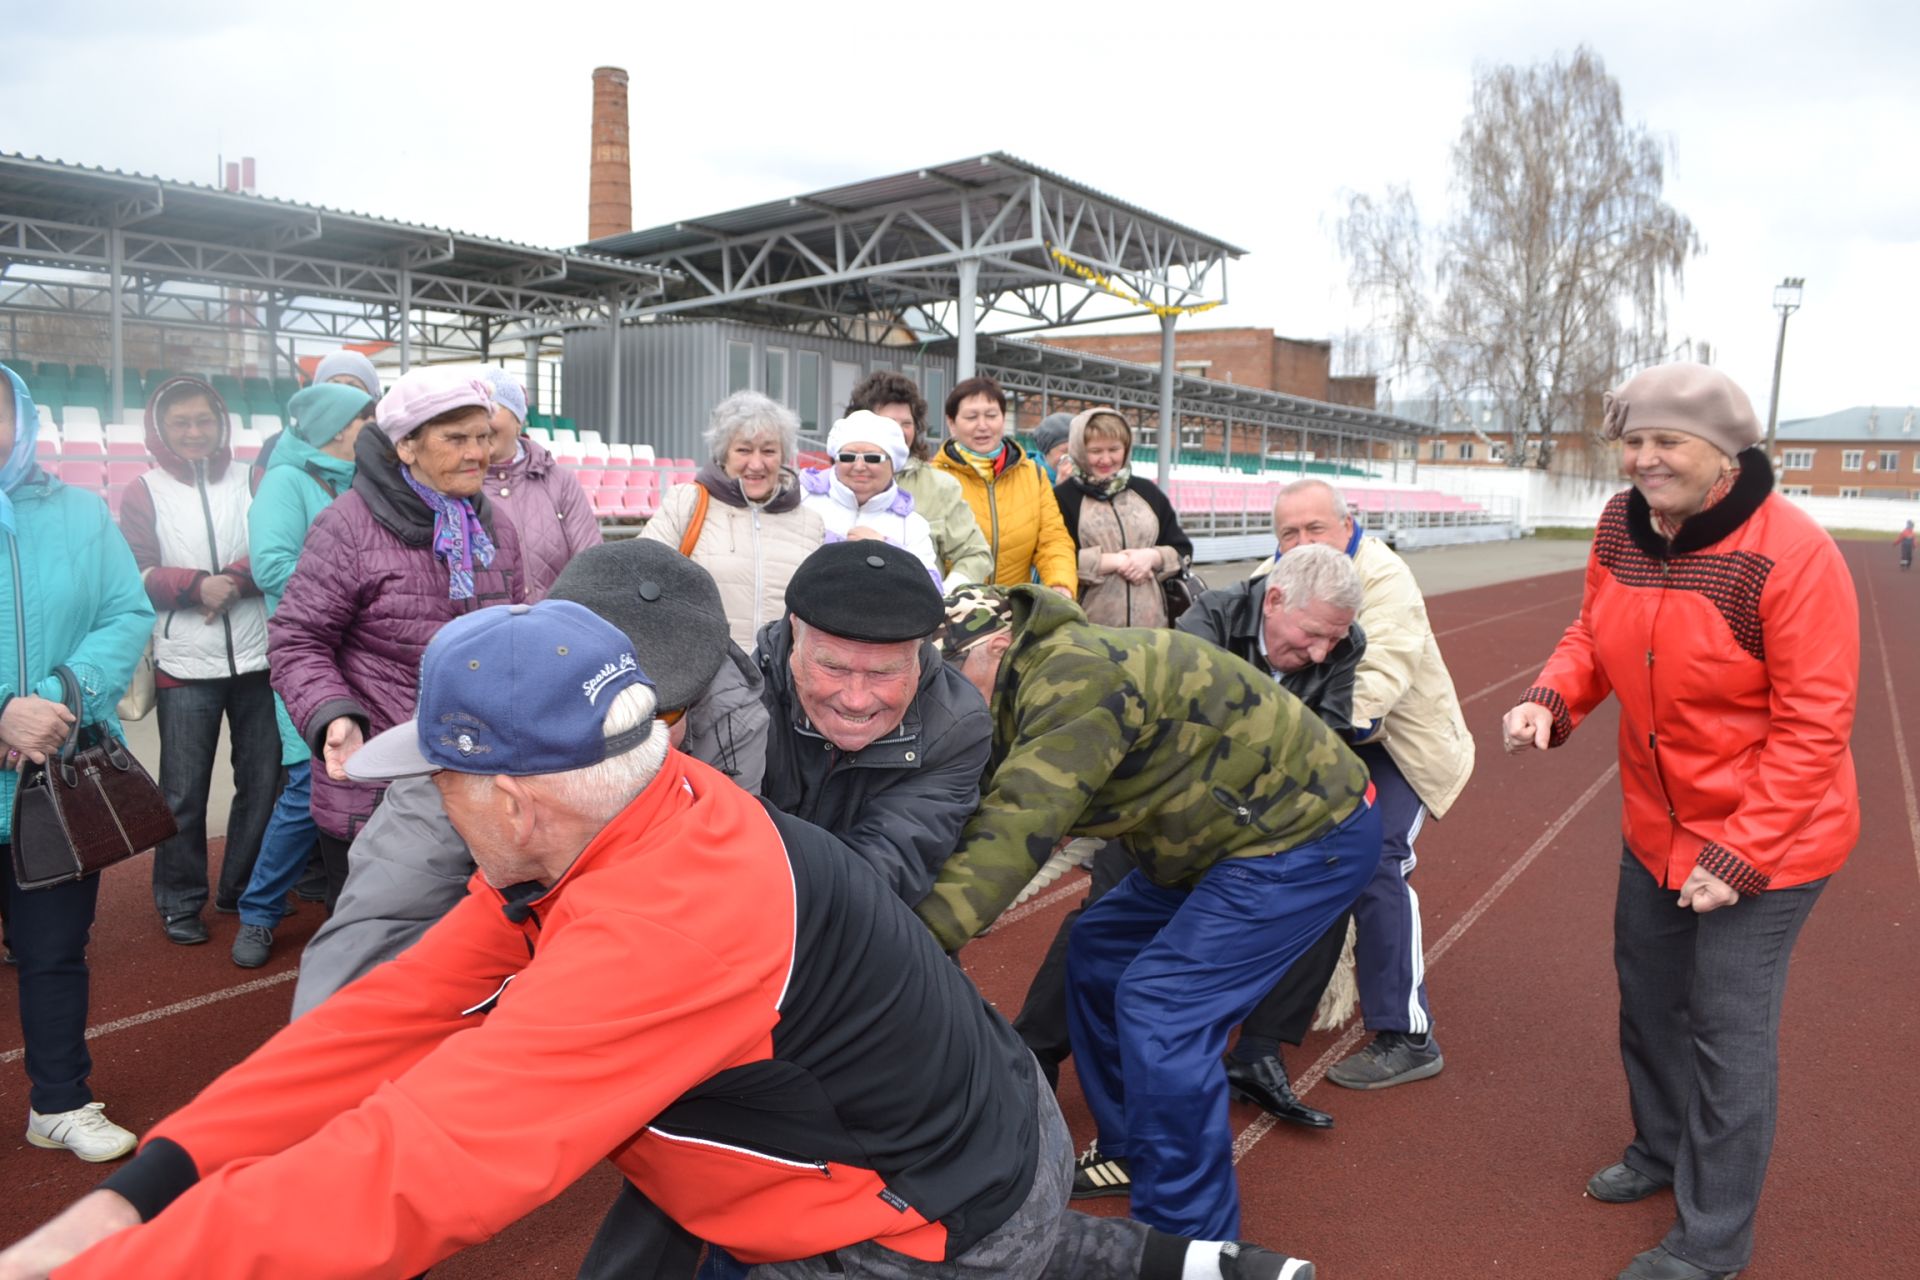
<point>53,373</point>
<point>89,373</point>
<point>566,424</point>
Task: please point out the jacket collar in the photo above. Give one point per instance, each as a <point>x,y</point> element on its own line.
<point>532,462</point>
<point>1710,526</point>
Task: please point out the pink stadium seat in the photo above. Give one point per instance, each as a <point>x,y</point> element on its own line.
<point>646,480</point>
<point>606,502</point>
<point>682,476</point>
<point>245,451</point>
<point>46,447</point>
<point>84,475</point>
<point>84,448</point>
<point>591,478</point>
<point>121,472</point>
<point>126,449</point>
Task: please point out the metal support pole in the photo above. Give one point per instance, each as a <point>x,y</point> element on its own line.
<point>406,320</point>
<point>612,425</point>
<point>968,304</point>
<point>1169,428</point>
<point>116,335</point>
<point>272,313</point>
<point>532,346</point>
<point>1773,401</point>
<point>1227,442</point>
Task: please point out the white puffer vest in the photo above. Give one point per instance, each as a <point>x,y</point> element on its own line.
<point>204,526</point>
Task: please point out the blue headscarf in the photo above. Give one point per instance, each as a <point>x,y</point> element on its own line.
<point>19,463</point>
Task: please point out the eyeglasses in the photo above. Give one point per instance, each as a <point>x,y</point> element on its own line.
<point>871,459</point>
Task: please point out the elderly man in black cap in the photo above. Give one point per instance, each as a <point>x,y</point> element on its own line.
<point>408,866</point>
<point>873,737</point>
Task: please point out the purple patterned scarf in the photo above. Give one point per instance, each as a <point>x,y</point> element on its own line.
<point>458,537</point>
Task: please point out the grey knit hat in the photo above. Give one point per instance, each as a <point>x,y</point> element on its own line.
<point>668,606</point>
<point>1052,431</point>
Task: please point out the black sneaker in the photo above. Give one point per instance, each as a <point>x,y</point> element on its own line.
<point>1393,1057</point>
<point>1095,1175</point>
<point>252,945</point>
<point>1250,1262</point>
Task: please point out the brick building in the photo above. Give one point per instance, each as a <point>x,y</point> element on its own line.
<point>1854,453</point>
<point>1250,357</point>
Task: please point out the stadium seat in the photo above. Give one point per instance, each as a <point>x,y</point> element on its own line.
<point>82,417</point>
<point>620,455</point>
<point>136,432</point>
<point>126,472</point>
<point>46,445</point>
<point>84,474</point>
<point>126,448</point>
<point>592,478</point>
<point>643,453</point>
<point>541,434</point>
<point>263,424</point>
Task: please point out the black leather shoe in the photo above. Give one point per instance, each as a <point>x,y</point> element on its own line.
<point>1618,1184</point>
<point>186,930</point>
<point>1263,1082</point>
<point>1657,1264</point>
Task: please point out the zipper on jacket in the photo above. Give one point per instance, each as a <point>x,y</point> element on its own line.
<point>19,614</point>
<point>785,1162</point>
<point>1653,709</point>
<point>1120,522</point>
<point>993,520</point>
<point>759,571</point>
<point>213,553</point>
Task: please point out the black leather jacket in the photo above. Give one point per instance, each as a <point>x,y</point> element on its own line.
<point>1230,618</point>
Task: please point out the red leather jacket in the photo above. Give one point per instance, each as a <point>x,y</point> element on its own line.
<point>1735,653</point>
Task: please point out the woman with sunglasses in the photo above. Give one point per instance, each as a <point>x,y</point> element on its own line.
<point>857,496</point>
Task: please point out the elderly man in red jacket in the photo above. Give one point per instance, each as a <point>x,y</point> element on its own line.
<point>651,968</point>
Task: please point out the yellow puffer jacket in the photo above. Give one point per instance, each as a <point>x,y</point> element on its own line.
<point>1019,517</point>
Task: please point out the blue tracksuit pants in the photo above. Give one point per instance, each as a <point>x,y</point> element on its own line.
<point>1155,979</point>
<point>1390,967</point>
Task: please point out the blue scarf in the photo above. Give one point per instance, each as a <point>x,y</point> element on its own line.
<point>19,461</point>
<point>458,537</point>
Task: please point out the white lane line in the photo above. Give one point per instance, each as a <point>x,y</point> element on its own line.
<point>1501,683</point>
<point>1314,1074</point>
<point>168,1010</point>
<point>1899,734</point>
<point>1501,617</point>
<point>1076,883</point>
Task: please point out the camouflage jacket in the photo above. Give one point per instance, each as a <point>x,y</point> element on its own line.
<point>1184,752</point>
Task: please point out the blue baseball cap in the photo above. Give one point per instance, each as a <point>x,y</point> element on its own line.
<point>515,689</point>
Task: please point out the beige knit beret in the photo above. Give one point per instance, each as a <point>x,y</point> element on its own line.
<point>1693,398</point>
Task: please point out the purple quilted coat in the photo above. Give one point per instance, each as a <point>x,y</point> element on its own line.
<point>358,612</point>
<point>549,510</point>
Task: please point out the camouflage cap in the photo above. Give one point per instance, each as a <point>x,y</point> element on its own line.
<point>973,614</point>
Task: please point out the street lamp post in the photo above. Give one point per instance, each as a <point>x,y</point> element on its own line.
<point>1786,300</point>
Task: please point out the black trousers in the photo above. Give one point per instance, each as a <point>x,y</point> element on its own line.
<point>47,930</point>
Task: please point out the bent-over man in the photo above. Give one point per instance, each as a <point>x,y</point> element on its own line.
<point>653,968</point>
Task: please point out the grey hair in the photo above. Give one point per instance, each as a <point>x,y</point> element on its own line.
<point>600,791</point>
<point>1315,572</point>
<point>1340,511</point>
<point>750,415</point>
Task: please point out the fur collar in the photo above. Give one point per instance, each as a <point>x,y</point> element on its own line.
<point>1713,524</point>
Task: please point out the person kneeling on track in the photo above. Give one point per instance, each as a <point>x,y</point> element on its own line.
<point>1251,827</point>
<point>652,965</point>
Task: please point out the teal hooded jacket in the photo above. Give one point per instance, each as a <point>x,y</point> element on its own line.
<point>300,483</point>
<point>70,594</point>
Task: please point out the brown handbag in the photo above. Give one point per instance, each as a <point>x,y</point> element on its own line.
<point>88,807</point>
<point>1181,589</point>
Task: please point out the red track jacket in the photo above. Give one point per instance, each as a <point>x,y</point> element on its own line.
<point>1735,654</point>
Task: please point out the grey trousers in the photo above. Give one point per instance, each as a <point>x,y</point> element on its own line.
<point>1043,1240</point>
<point>1700,1000</point>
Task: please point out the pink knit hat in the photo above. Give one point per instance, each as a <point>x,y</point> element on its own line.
<point>425,394</point>
<point>1691,398</point>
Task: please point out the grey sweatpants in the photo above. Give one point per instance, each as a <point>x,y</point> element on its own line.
<point>1043,1240</point>
<point>1700,1000</point>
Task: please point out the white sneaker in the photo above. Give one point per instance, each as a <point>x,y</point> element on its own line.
<point>86,1132</point>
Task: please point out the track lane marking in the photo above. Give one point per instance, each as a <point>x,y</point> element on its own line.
<point>169,1010</point>
<point>1077,883</point>
<point>1501,617</point>
<point>1314,1074</point>
<point>1899,734</point>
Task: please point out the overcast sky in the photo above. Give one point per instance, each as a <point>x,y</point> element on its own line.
<point>1795,126</point>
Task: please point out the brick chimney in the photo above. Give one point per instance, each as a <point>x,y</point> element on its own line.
<point>610,193</point>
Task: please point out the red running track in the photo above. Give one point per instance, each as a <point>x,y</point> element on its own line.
<point>1475,1173</point>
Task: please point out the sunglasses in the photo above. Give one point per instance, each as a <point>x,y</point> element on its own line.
<point>871,459</point>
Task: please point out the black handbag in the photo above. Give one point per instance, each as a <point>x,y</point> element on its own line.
<point>86,808</point>
<point>1181,589</point>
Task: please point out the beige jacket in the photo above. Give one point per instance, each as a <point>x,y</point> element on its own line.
<point>1403,682</point>
<point>750,553</point>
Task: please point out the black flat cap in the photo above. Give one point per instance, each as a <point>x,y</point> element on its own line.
<point>668,606</point>
<point>866,590</point>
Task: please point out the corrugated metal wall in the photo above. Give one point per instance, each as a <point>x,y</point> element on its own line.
<point>672,373</point>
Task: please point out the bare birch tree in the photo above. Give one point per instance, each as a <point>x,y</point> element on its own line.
<point>1547,278</point>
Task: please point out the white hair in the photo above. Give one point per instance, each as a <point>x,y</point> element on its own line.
<point>1314,572</point>
<point>749,415</point>
<point>599,791</point>
<point>1340,511</point>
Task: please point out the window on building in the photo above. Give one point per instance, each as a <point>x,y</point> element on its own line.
<point>1439,453</point>
<point>1797,490</point>
<point>777,375</point>
<point>1889,459</point>
<point>1916,459</point>
<point>739,367</point>
<point>1497,452</point>
<point>806,388</point>
<point>1850,492</point>
<point>1796,460</point>
<point>1852,459</point>
<point>1466,452</point>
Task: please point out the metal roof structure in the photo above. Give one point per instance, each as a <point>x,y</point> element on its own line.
<point>1034,250</point>
<point>1860,423</point>
<point>77,240</point>
<point>1063,373</point>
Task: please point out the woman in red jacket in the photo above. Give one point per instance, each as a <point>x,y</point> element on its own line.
<point>1725,622</point>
